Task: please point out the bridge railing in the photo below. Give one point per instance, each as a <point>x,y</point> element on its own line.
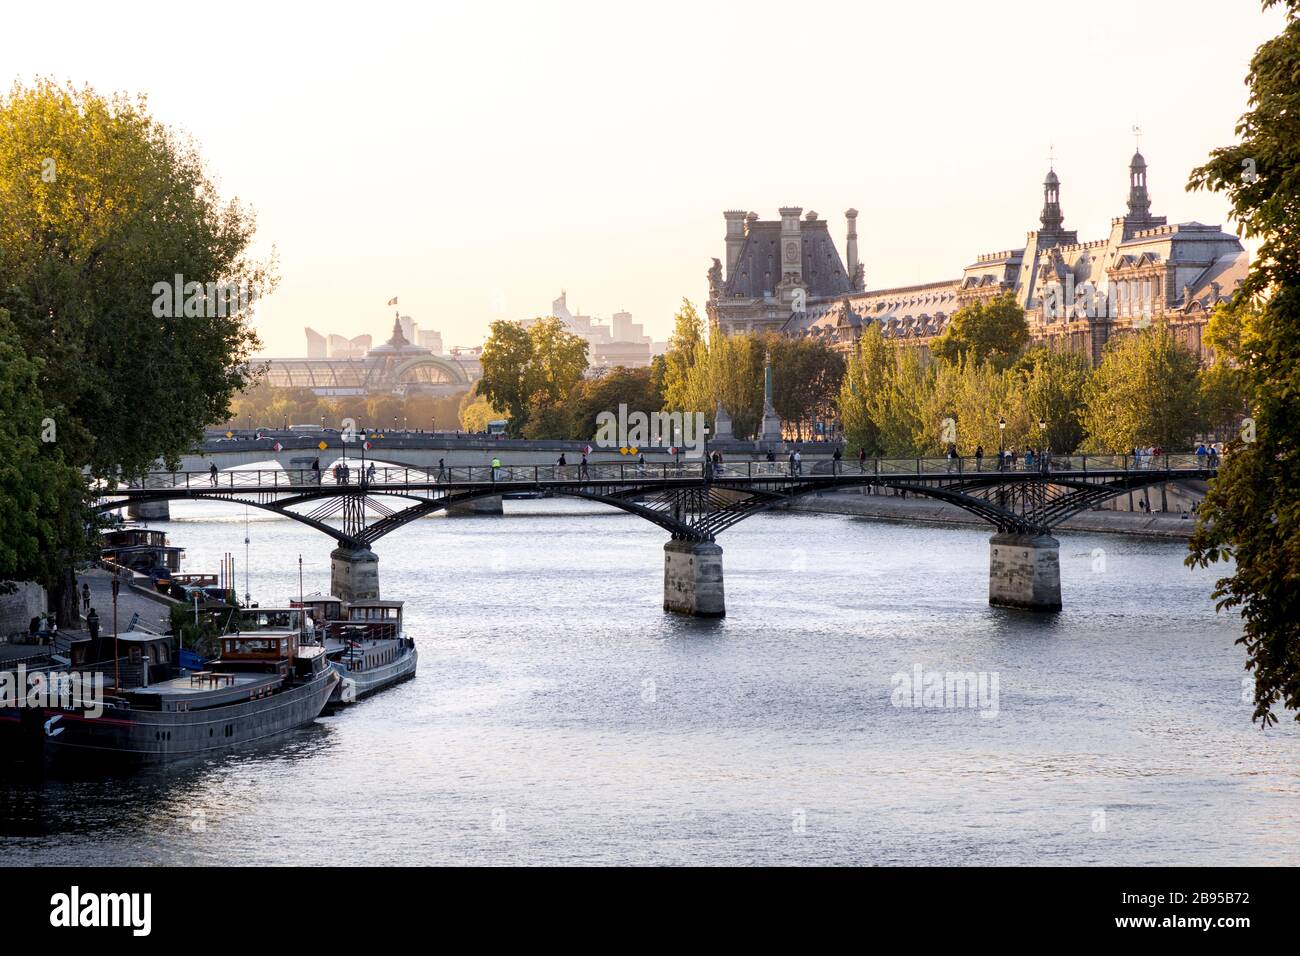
<point>632,471</point>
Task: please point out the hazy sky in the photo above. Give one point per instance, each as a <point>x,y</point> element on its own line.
<point>466,156</point>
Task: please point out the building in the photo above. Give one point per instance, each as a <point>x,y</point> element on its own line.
<point>315,344</point>
<point>396,367</point>
<point>787,276</point>
<point>342,347</point>
<point>623,343</point>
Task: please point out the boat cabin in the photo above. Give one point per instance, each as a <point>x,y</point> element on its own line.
<point>382,619</point>
<point>323,608</point>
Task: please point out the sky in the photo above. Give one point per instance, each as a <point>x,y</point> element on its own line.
<point>475,159</point>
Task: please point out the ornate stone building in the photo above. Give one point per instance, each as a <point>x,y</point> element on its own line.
<point>787,276</point>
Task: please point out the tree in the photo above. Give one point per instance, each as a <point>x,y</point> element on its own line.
<point>126,206</point>
<point>1251,514</point>
<point>42,494</point>
<point>1053,385</point>
<point>806,376</point>
<point>735,369</point>
<point>530,367</point>
<point>686,385</point>
<point>994,330</point>
<point>1145,392</point>
<point>632,388</point>
<point>99,206</point>
<point>505,360</point>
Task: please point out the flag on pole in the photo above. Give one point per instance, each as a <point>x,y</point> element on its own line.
<point>393,301</point>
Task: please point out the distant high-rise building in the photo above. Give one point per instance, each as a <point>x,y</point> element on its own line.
<point>430,339</point>
<point>356,347</point>
<point>408,328</point>
<point>315,344</point>
<point>623,344</point>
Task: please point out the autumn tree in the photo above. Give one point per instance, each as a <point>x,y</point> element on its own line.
<point>528,368</point>
<point>1146,391</point>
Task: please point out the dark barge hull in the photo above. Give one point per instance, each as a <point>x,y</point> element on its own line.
<point>131,737</point>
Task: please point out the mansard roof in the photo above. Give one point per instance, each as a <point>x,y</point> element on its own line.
<point>759,267</point>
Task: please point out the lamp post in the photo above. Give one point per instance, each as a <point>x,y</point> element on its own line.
<point>1002,445</point>
<point>708,464</point>
<point>1042,442</point>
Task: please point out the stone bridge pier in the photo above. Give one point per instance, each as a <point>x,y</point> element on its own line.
<point>693,579</point>
<point>1025,571</point>
<point>354,573</point>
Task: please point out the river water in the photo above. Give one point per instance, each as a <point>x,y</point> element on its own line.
<point>560,717</point>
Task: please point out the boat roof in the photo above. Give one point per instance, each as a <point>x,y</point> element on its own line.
<point>319,598</point>
<point>375,603</point>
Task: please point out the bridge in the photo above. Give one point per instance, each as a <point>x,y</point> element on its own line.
<point>692,501</point>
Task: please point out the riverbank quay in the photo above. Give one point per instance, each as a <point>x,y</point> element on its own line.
<point>927,510</point>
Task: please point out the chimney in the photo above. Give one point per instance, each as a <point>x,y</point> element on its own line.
<point>735,237</point>
<point>851,245</point>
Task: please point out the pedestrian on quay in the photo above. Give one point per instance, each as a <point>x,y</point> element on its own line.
<point>85,595</point>
<point>212,474</point>
<point>92,627</point>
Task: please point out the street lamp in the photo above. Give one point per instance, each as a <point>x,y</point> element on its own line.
<point>1042,442</point>
<point>708,464</point>
<point>1002,445</point>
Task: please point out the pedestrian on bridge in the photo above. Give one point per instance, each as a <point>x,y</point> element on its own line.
<point>370,473</point>
<point>442,471</point>
<point>496,467</point>
<point>862,459</point>
<point>85,595</point>
<point>212,474</point>
<point>798,462</point>
<point>952,456</point>
<point>835,461</point>
<point>92,626</point>
<point>791,464</point>
<point>315,468</point>
<point>583,473</point>
<point>979,457</point>
<point>562,463</point>
<point>640,465</point>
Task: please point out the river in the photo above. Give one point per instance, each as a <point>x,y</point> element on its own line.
<point>560,717</point>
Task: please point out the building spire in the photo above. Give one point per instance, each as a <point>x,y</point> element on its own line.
<point>1139,202</point>
<point>1051,218</point>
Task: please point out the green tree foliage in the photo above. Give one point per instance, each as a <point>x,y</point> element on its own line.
<point>1053,385</point>
<point>527,370</point>
<point>735,368</point>
<point>42,494</point>
<point>1146,391</point>
<point>1252,512</point>
<point>686,384</point>
<point>806,375</point>
<point>994,330</point>
<point>99,203</point>
<point>633,388</point>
